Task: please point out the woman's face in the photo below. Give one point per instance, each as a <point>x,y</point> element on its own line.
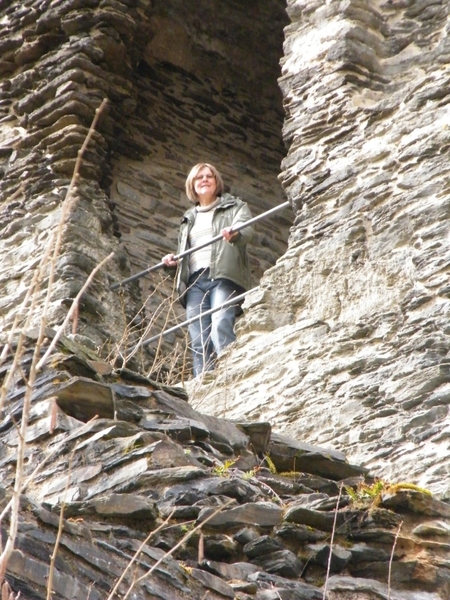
<point>205,186</point>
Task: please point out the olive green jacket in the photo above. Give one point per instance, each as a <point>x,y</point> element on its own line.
<point>228,259</point>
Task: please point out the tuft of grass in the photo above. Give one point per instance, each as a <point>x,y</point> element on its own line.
<point>270,464</point>
<point>224,469</point>
<point>371,494</point>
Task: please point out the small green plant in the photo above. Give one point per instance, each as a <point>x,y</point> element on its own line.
<point>290,474</point>
<point>133,445</point>
<point>186,568</point>
<point>223,470</point>
<point>371,494</point>
<point>270,464</point>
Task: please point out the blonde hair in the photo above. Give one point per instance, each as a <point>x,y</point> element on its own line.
<point>190,181</point>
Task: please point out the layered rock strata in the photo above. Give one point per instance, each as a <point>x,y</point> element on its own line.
<point>347,339</point>
<point>133,492</point>
<point>181,87</point>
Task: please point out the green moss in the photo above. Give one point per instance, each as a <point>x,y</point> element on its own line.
<point>224,470</point>
<point>371,494</point>
<point>270,464</point>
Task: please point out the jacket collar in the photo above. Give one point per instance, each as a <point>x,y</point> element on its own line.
<point>225,201</point>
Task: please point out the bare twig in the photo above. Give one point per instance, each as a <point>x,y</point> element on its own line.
<point>201,549</point>
<point>330,556</point>
<point>392,559</point>
<point>59,534</point>
<point>172,550</point>
<point>71,311</point>
<point>53,248</point>
<point>137,553</point>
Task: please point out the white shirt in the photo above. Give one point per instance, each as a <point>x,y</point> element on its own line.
<point>201,232</point>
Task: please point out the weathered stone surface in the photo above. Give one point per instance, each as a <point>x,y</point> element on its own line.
<point>416,501</point>
<point>344,345</point>
<point>261,546</point>
<point>277,586</point>
<point>125,482</point>
<point>346,339</point>
<point>432,528</point>
<point>264,513</point>
<point>214,583</point>
<point>338,560</point>
<point>98,399</point>
<point>312,518</point>
<point>280,562</point>
<point>289,455</point>
<point>125,505</point>
<point>341,587</point>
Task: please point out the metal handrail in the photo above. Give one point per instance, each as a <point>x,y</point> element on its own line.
<point>234,300</point>
<point>215,239</point>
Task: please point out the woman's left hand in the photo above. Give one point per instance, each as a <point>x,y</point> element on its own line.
<point>228,234</point>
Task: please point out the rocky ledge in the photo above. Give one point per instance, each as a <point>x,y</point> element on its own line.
<point>130,492</point>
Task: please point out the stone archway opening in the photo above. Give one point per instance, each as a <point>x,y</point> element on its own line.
<point>206,90</point>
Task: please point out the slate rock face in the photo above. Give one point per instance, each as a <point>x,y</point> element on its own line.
<point>164,515</point>
<point>343,348</point>
<point>178,89</point>
<point>347,338</point>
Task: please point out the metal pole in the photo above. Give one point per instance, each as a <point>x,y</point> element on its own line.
<point>233,300</point>
<point>215,239</point>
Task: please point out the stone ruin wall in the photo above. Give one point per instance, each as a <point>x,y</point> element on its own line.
<point>181,86</point>
<point>358,307</point>
<point>345,343</point>
<point>205,93</point>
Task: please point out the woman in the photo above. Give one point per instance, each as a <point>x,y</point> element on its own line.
<point>209,277</point>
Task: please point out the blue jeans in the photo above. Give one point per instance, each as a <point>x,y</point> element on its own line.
<point>211,334</point>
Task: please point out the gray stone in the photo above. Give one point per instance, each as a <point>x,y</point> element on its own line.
<point>246,535</point>
<point>260,546</point>
<point>339,559</point>
<point>280,562</point>
<point>287,589</point>
<point>294,533</point>
<point>85,399</point>
<point>259,435</point>
<point>365,553</point>
<point>181,429</point>
<point>297,513</point>
<point>339,585</point>
<point>212,582</point>
<point>263,513</point>
<point>126,505</point>
<point>417,502</point>
<point>220,547</point>
<point>290,455</point>
<point>235,487</point>
<point>432,529</point>
<point>234,571</point>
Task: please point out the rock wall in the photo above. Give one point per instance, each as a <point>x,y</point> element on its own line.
<point>181,86</point>
<point>344,346</point>
<point>346,343</point>
<point>129,492</point>
<point>204,93</point>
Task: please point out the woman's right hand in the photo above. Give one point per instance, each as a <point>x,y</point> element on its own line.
<point>169,260</point>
